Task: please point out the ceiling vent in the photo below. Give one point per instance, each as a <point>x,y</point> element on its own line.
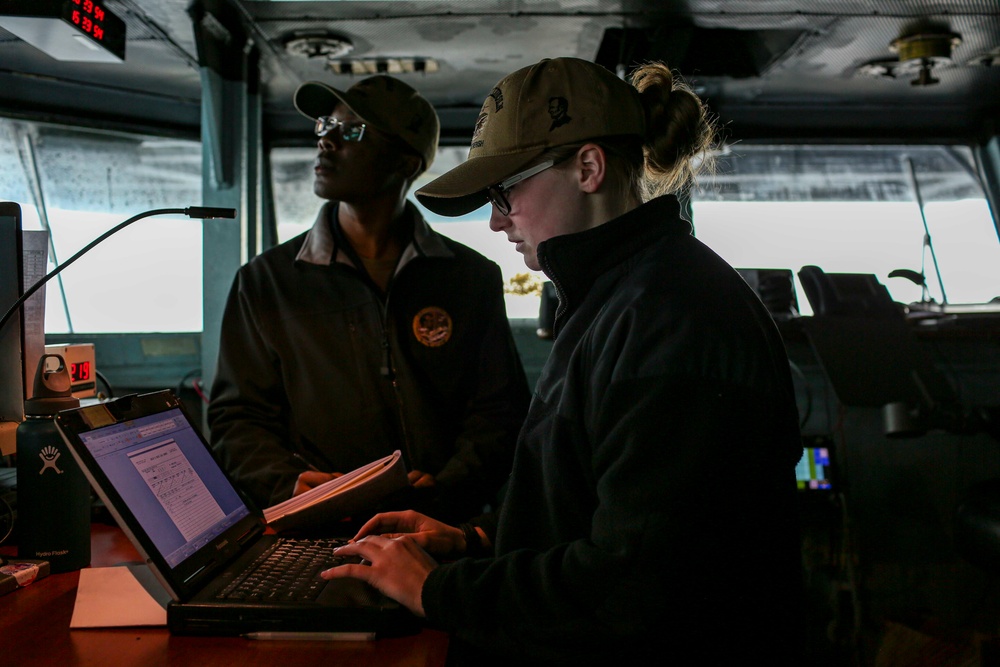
<point>322,45</point>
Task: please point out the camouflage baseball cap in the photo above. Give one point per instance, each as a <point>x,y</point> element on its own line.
<point>555,102</point>
<point>384,102</point>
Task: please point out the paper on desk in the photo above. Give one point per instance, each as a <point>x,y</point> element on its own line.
<point>120,596</point>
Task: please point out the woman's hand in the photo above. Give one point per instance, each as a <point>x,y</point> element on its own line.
<point>398,567</point>
<point>431,535</point>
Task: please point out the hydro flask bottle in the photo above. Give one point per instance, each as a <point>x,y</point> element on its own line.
<point>53,495</point>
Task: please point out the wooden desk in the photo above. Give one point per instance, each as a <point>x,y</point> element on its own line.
<point>34,632</point>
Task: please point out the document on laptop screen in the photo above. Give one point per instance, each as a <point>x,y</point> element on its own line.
<point>169,481</point>
<point>175,483</point>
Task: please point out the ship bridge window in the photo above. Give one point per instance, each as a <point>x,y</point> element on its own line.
<point>854,209</point>
<point>844,208</point>
<point>77,184</point>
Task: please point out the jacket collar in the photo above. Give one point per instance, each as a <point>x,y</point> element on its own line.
<point>575,261</point>
<point>320,245</point>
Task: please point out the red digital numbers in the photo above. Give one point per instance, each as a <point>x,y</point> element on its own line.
<point>79,372</point>
<point>89,18</point>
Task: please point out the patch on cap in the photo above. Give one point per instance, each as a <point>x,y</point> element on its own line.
<point>477,133</point>
<point>558,112</point>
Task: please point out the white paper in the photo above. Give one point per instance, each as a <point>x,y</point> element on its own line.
<point>35,244</point>
<point>341,496</point>
<point>109,597</point>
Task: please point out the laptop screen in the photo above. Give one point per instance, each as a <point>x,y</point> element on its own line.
<point>165,475</point>
<point>158,477</point>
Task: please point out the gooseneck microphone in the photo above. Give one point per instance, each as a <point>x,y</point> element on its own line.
<point>190,211</point>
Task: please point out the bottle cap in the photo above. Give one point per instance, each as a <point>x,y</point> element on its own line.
<point>53,389</point>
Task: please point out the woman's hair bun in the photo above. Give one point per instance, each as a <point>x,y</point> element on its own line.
<point>680,132</point>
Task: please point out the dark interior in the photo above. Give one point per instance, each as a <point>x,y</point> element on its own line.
<point>902,555</point>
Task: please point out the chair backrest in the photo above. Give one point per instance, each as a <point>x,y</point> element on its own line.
<point>865,344</point>
<point>846,293</point>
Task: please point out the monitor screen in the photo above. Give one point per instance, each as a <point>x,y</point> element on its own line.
<point>813,472</point>
<point>11,336</point>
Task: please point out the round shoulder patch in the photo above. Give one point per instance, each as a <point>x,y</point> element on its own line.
<point>432,326</point>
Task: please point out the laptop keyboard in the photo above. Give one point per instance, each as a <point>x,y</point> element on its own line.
<point>287,572</point>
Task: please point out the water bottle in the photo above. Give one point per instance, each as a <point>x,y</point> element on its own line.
<point>53,495</point>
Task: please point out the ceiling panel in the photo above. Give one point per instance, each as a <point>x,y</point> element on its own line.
<point>770,68</point>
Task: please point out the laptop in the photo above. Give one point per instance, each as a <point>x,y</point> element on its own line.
<point>198,533</point>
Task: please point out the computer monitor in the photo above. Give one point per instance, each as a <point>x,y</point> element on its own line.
<point>814,472</point>
<point>12,388</point>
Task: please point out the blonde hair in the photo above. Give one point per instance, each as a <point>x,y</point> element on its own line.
<point>678,146</point>
<point>680,131</point>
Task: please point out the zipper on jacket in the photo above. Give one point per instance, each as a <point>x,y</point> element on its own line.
<point>386,370</point>
<point>560,294</point>
<point>389,372</point>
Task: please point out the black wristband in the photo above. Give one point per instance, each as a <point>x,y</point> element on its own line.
<point>473,542</point>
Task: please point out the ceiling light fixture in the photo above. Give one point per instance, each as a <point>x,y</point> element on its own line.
<point>924,52</point>
<point>318,45</point>
<point>366,66</point>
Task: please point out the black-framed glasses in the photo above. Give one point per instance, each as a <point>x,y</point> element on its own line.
<point>497,194</point>
<point>349,131</point>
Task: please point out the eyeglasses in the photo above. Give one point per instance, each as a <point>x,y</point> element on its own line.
<point>497,194</point>
<point>352,131</point>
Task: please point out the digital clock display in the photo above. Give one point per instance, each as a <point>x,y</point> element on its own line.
<point>92,19</point>
<point>80,371</point>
